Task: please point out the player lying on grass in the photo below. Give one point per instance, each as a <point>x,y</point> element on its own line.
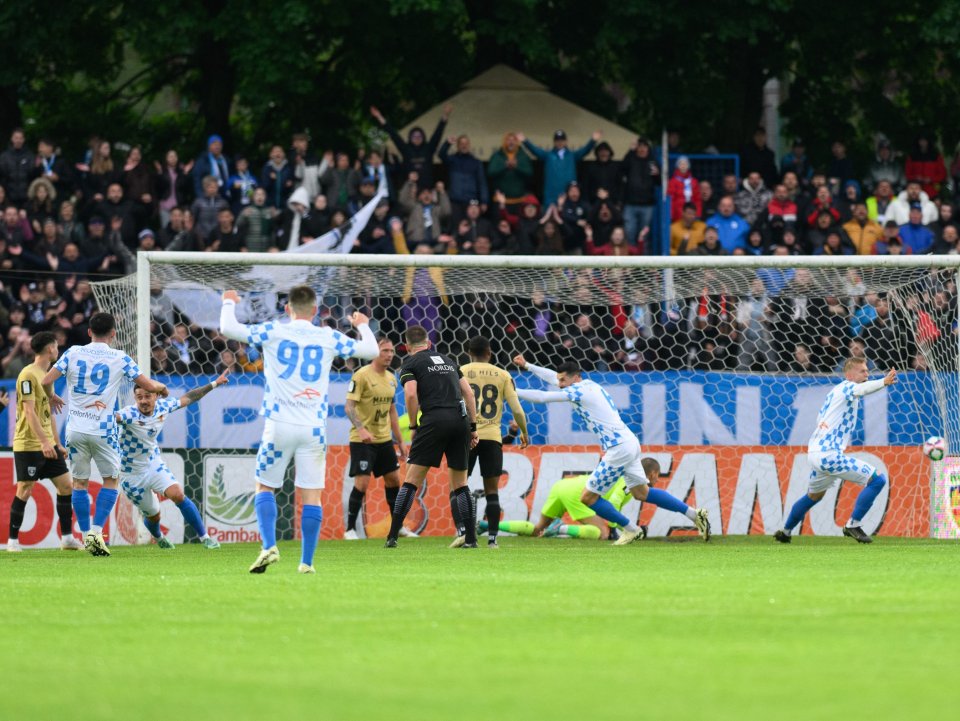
<point>143,472</point>
<point>37,452</point>
<point>622,455</point>
<point>564,497</point>
<point>836,422</point>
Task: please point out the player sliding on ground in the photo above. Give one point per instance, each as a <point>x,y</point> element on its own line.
<point>564,497</point>
<point>296,366</point>
<point>94,373</point>
<point>621,449</point>
<point>37,452</point>
<point>143,472</point>
<point>835,425</point>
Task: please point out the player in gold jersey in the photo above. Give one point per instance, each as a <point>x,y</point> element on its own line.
<point>372,411</point>
<point>37,453</point>
<point>491,387</point>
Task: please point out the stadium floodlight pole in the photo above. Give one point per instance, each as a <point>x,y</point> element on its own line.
<point>143,310</point>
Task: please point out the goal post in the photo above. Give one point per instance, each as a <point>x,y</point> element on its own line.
<point>718,364</point>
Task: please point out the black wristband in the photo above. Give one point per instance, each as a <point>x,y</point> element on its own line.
<point>473,427</point>
<point>414,428</point>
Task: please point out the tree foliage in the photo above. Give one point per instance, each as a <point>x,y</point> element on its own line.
<point>256,71</point>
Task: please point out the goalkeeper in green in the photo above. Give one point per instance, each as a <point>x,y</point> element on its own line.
<point>564,497</point>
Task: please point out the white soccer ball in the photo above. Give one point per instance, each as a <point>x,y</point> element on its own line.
<point>935,448</point>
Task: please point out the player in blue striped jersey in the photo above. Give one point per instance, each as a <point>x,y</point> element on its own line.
<point>143,472</point>
<point>622,455</point>
<point>94,374</point>
<point>836,422</point>
<point>297,356</point>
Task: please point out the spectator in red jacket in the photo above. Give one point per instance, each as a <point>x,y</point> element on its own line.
<point>781,205</point>
<point>618,244</point>
<point>925,165</point>
<point>683,188</point>
<point>823,202</point>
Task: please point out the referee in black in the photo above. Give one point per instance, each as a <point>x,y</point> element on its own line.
<point>433,384</point>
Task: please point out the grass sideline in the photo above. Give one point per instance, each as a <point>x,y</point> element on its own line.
<point>740,628</point>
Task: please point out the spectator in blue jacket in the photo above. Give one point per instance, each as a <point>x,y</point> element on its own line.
<point>731,227</point>
<point>914,234</point>
<point>559,164</point>
<point>212,163</point>
<point>466,179</point>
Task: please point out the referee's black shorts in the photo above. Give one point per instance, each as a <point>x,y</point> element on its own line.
<point>490,455</point>
<point>372,459</point>
<point>441,434</point>
<point>34,466</point>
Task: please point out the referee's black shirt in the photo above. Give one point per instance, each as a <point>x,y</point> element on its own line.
<point>438,381</point>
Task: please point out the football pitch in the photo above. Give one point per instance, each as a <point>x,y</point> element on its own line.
<point>740,628</point>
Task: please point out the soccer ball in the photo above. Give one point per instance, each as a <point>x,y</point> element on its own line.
<point>935,448</point>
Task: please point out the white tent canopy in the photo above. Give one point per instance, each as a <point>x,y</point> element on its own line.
<point>503,99</point>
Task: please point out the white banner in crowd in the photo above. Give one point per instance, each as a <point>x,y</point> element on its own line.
<point>202,305</point>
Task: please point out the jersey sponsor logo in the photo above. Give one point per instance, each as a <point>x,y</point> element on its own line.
<point>444,368</point>
<point>436,359</point>
<point>309,393</point>
<point>98,404</point>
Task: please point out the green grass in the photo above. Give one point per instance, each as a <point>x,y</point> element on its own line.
<point>734,629</point>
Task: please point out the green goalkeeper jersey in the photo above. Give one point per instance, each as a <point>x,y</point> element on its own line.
<point>565,497</point>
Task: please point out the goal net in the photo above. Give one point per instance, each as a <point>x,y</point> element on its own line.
<point>719,365</point>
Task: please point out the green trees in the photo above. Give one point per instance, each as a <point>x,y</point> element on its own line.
<point>174,71</point>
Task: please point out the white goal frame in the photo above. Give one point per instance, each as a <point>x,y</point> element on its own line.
<point>146,259</point>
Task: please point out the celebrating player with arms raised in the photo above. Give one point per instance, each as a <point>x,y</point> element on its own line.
<point>94,372</point>
<point>621,448</point>
<point>296,365</point>
<point>144,472</point>
<point>835,425</point>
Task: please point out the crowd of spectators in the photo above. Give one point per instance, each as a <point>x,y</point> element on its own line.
<point>67,222</point>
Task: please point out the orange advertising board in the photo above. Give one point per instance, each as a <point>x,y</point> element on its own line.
<point>746,489</point>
